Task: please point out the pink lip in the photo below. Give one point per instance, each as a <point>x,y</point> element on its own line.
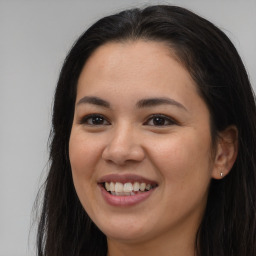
<point>125,178</point>
<point>123,201</point>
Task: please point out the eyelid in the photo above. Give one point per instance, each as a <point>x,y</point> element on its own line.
<point>84,119</point>
<point>171,120</point>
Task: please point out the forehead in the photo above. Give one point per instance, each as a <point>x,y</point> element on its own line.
<point>134,62</point>
<point>137,50</point>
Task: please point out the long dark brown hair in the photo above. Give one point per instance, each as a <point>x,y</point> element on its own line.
<point>228,227</point>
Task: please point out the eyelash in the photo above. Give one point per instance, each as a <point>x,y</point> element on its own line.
<point>161,118</point>
<point>85,120</point>
<point>88,120</point>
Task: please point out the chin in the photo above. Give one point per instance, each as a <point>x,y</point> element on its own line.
<point>127,231</point>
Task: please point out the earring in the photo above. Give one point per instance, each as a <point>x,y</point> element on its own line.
<point>221,174</point>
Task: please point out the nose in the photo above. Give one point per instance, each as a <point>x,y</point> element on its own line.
<point>123,146</point>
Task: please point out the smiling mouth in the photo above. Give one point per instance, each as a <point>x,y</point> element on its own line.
<point>127,189</point>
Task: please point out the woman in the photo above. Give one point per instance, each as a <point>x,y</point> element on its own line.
<point>153,142</point>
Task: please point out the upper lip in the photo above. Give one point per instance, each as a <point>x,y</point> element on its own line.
<point>124,178</point>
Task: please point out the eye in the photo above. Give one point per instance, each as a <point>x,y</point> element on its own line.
<point>94,119</point>
<point>159,120</point>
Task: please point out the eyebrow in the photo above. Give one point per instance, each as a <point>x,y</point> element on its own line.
<point>94,100</point>
<point>151,102</point>
<point>143,103</point>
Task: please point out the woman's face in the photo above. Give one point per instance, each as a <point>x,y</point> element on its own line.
<point>138,122</point>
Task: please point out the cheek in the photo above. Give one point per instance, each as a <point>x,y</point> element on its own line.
<point>182,155</point>
<point>184,165</point>
<point>83,156</point>
<point>83,153</point>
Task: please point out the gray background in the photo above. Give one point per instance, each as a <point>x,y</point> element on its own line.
<point>34,39</point>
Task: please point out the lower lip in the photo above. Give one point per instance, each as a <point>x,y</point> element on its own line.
<point>125,200</point>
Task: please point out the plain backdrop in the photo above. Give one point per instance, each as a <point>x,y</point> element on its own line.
<point>35,36</point>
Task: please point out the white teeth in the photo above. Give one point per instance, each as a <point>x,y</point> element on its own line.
<point>107,186</point>
<point>119,187</point>
<point>112,186</point>
<point>142,186</point>
<point>148,187</point>
<point>136,186</point>
<point>126,189</point>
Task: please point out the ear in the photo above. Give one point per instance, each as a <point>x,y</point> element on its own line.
<point>226,152</point>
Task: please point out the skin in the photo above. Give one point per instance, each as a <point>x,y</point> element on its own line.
<point>176,154</point>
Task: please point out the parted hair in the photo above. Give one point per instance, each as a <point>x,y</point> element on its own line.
<point>228,227</point>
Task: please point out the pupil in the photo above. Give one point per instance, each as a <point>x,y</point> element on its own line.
<point>158,121</point>
<point>97,120</point>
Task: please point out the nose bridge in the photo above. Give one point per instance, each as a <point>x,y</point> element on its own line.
<point>123,144</point>
<point>123,135</point>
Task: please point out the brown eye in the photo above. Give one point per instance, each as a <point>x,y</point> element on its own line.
<point>94,120</point>
<point>160,120</point>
